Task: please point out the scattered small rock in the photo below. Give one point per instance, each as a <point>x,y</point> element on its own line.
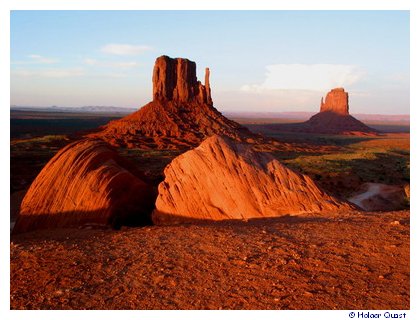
<point>307,294</point>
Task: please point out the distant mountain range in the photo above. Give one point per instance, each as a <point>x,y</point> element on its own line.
<point>87,109</point>
<point>295,116</point>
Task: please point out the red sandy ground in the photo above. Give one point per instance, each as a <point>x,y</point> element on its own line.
<point>350,261</point>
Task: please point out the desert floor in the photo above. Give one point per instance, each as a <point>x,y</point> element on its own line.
<point>351,261</point>
<point>346,261</point>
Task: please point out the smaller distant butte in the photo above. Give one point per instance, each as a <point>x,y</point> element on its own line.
<point>333,118</point>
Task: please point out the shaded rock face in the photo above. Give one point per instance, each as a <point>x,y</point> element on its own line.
<point>221,179</point>
<point>180,116</point>
<point>85,183</point>
<point>330,122</point>
<point>337,101</point>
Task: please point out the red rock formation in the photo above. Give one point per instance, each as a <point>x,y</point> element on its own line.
<point>337,101</point>
<point>330,122</point>
<point>176,80</point>
<point>85,182</point>
<point>180,116</point>
<point>223,180</point>
<point>207,86</point>
<point>333,118</point>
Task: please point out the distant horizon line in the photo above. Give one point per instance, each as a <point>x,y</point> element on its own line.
<point>247,112</point>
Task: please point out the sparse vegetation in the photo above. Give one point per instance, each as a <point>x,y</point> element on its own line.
<point>355,160</point>
<point>39,140</point>
<point>152,162</point>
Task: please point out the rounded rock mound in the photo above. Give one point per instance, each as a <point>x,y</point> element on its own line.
<point>222,179</point>
<point>86,182</point>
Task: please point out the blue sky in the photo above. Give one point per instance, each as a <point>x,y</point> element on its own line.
<point>259,60</point>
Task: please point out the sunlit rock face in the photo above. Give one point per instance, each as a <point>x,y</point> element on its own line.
<point>176,80</point>
<point>337,101</point>
<point>222,179</point>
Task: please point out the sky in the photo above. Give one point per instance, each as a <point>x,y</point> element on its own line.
<point>260,61</point>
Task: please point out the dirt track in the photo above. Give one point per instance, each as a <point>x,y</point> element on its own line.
<point>356,261</point>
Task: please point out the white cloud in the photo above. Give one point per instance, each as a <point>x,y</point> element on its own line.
<point>50,73</point>
<point>40,59</point>
<point>63,73</point>
<point>316,77</point>
<point>129,64</point>
<point>36,59</point>
<point>125,49</point>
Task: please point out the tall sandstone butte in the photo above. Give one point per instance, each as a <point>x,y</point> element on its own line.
<point>222,179</point>
<point>337,101</point>
<point>85,183</point>
<point>180,116</point>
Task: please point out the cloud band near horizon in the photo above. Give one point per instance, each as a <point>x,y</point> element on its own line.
<point>312,77</point>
